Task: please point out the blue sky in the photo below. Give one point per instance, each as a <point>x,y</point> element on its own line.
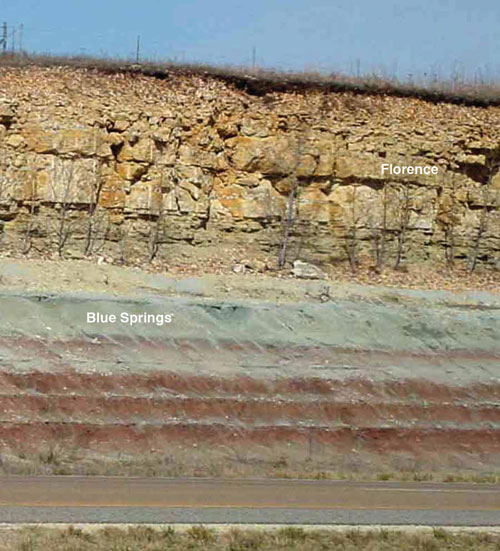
<point>393,36</point>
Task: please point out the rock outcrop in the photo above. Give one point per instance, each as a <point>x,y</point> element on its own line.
<point>127,165</point>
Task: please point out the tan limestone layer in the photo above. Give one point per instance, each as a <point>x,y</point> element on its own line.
<point>191,159</point>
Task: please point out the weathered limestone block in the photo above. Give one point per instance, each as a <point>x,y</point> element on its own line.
<point>465,158</point>
<point>307,165</point>
<point>353,205</point>
<point>179,201</point>
<point>72,141</point>
<point>11,191</point>
<point>113,194</point>
<point>145,197</point>
<point>447,209</point>
<point>194,156</point>
<point>115,139</point>
<point>7,112</point>
<point>170,202</point>
<point>304,270</point>
<point>257,126</point>
<point>121,125</point>
<point>16,141</point>
<point>81,142</point>
<point>276,155</point>
<point>495,182</point>
<point>359,166</point>
<point>207,138</point>
<point>494,223</point>
<point>164,135</point>
<point>167,154</point>
<point>39,140</point>
<point>139,128</point>
<point>220,214</point>
<point>131,171</point>
<point>419,199</point>
<point>262,202</point>
<point>194,175</point>
<point>227,127</point>
<point>369,167</point>
<point>328,150</point>
<point>185,201</point>
<point>313,204</point>
<point>249,181</point>
<point>140,151</point>
<point>423,222</point>
<point>188,189</point>
<point>231,199</point>
<point>483,196</point>
<point>66,180</point>
<point>193,190</point>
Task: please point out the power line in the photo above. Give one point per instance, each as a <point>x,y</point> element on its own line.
<point>4,38</point>
<point>14,34</point>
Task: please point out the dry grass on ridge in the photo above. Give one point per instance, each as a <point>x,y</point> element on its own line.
<point>259,81</point>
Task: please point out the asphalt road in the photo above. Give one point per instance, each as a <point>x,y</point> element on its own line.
<point>147,500</point>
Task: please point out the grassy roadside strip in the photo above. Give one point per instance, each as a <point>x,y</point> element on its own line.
<point>147,538</point>
<point>59,461</point>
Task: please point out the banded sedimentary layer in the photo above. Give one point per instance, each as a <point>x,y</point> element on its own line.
<point>251,388</point>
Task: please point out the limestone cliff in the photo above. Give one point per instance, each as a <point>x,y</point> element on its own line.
<point>128,166</point>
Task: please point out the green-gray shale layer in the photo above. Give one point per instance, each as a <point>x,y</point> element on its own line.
<point>446,337</point>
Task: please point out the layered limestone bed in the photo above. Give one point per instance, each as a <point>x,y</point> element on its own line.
<point>134,167</point>
<point>246,387</point>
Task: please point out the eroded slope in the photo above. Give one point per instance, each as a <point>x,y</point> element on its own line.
<point>368,380</point>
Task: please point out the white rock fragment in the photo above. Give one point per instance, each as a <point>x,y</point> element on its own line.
<point>304,270</point>
<point>239,268</point>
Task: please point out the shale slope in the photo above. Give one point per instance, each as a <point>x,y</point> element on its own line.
<point>368,381</point>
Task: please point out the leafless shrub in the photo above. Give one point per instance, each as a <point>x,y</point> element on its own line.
<point>156,230</point>
<point>351,238</point>
<point>122,233</point>
<point>62,188</point>
<point>95,218</point>
<point>3,186</point>
<point>291,212</point>
<point>32,206</point>
<point>292,203</point>
<point>403,222</point>
<point>449,227</point>
<point>488,205</point>
<point>379,233</point>
<point>449,235</point>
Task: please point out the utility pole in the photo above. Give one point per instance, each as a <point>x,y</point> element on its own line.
<point>4,38</point>
<point>254,58</point>
<point>13,41</point>
<point>21,30</point>
<point>138,52</point>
